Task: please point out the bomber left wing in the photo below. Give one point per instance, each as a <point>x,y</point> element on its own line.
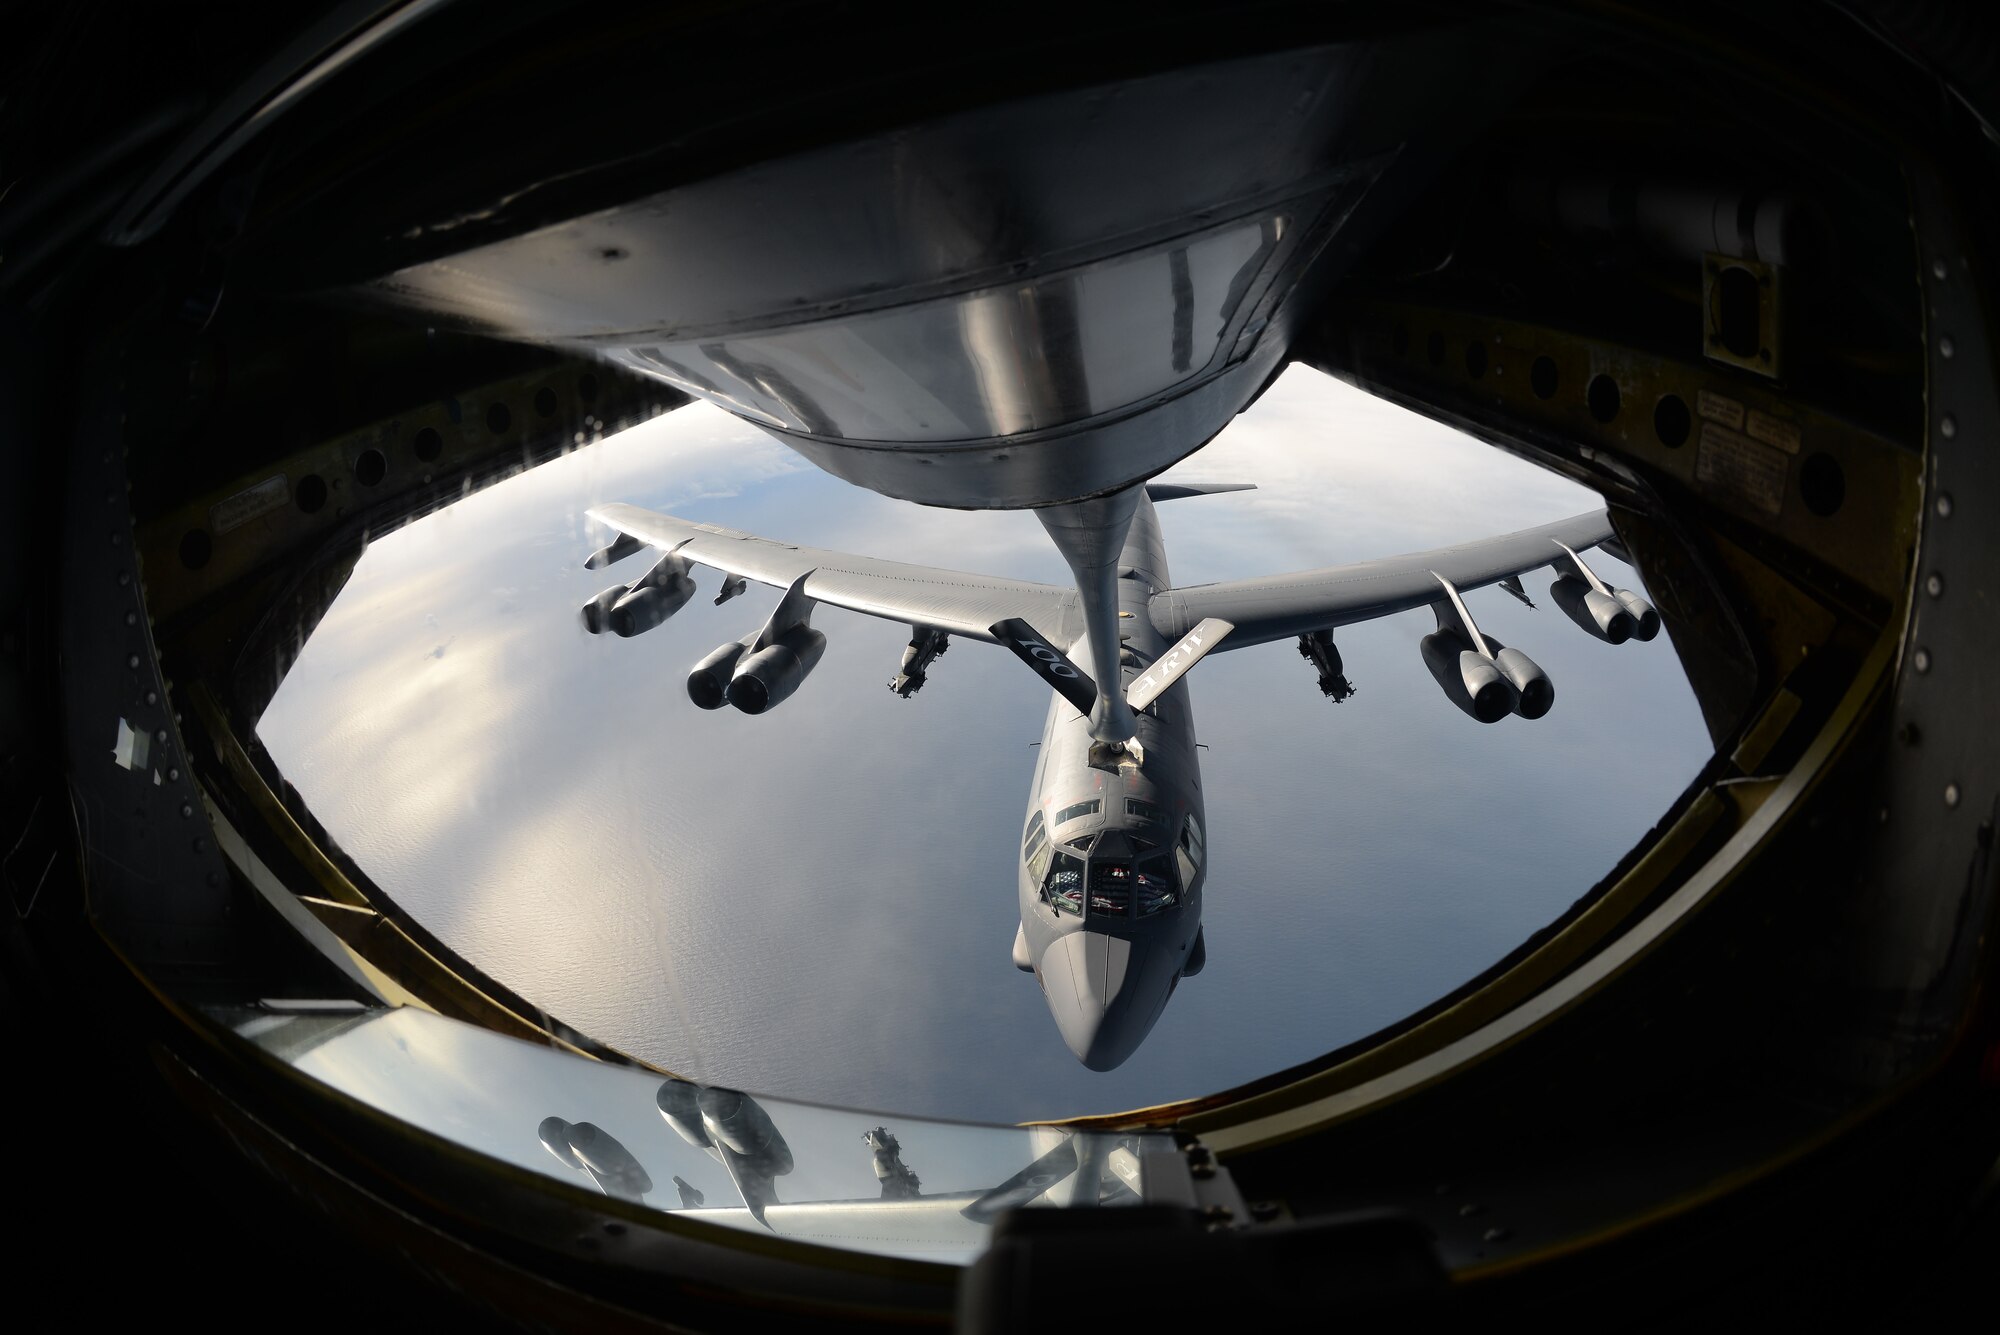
<point>1477,673</point>
<point>950,601</point>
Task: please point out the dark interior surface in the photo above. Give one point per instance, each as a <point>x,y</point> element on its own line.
<point>1730,266</point>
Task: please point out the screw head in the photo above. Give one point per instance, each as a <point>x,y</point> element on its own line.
<point>1921,660</point>
<point>1945,347</point>
<point>1951,794</point>
<point>1934,586</point>
<point>1937,269</point>
<point>1944,505</point>
<point>1948,427</point>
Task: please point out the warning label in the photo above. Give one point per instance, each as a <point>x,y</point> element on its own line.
<point>1720,408</point>
<point>248,504</point>
<point>1774,431</point>
<point>1731,463</point>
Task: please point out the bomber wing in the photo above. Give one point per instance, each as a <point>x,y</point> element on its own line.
<point>951,601</point>
<point>1275,607</point>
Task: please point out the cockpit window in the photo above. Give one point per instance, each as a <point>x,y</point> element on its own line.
<point>1111,889</point>
<point>1035,852</point>
<point>1150,812</point>
<point>1068,813</point>
<point>1064,888</point>
<point>1190,851</point>
<point>1155,886</point>
<point>1082,842</point>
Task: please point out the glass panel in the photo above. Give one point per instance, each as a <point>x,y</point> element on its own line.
<point>1191,840</point>
<point>1149,812</point>
<point>1065,885</point>
<point>1038,862</point>
<point>911,1187</point>
<point>1155,890</point>
<point>1034,829</point>
<point>1111,889</point>
<point>434,704</point>
<point>1069,813</point>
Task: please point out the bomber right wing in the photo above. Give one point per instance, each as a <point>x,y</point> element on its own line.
<point>1276,607</point>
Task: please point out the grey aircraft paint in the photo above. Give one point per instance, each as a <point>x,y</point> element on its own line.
<point>1110,867</point>
<point>1108,967</point>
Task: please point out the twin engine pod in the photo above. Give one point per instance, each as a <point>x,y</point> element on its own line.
<point>1488,689</point>
<point>712,1118</point>
<point>632,609</point>
<point>1614,615</point>
<point>756,680</point>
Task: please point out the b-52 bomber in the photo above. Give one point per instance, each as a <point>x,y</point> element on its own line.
<point>1113,853</point>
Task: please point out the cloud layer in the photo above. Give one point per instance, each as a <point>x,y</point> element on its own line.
<point>819,902</point>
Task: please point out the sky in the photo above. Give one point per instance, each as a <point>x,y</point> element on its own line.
<point>818,903</point>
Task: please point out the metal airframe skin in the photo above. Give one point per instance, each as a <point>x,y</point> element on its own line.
<point>1108,972</point>
<point>1111,866</point>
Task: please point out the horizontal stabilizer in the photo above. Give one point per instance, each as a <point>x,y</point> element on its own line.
<point>1172,665</point>
<point>1069,681</point>
<point>1173,491</point>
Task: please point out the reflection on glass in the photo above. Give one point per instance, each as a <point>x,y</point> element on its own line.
<point>596,1152</point>
<point>847,1178</point>
<point>740,899</point>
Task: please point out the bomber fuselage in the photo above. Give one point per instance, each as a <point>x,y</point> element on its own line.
<point>1111,862</point>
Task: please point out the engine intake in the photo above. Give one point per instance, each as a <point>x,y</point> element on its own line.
<point>597,609</point>
<point>770,675</point>
<point>739,1123</point>
<point>1599,614</point>
<point>1534,693</point>
<point>1469,680</point>
<point>1645,621</point>
<point>708,683</point>
<point>642,609</point>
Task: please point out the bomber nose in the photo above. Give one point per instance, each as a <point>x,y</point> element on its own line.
<point>1085,975</point>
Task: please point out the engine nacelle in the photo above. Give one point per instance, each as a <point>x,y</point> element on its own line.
<point>739,1123</point>
<point>1534,693</point>
<point>642,609</point>
<point>767,677</point>
<point>708,683</point>
<point>1469,680</point>
<point>1598,613</point>
<point>1645,621</point>
<point>679,1103</point>
<point>597,609</point>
